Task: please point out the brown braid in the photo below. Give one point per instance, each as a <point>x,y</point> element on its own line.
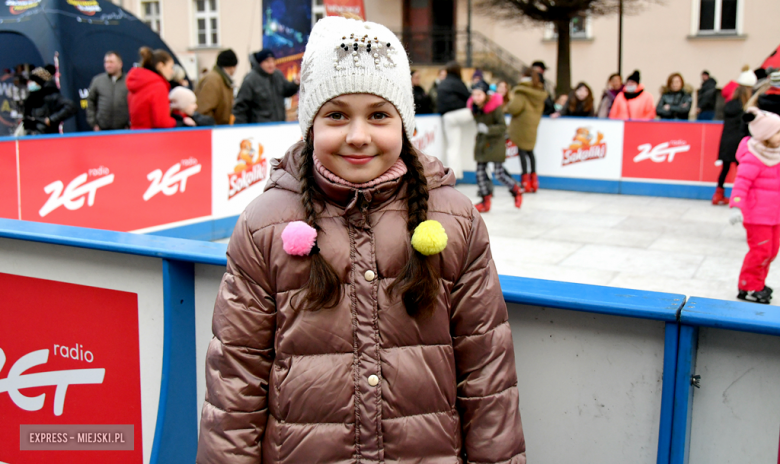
<point>323,290</point>
<point>418,281</point>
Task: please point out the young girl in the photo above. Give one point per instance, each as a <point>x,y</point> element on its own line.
<point>756,193</point>
<point>360,319</point>
<point>491,144</point>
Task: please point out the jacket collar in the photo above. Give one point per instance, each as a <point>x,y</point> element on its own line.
<point>227,79</point>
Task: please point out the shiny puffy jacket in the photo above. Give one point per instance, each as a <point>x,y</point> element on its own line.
<point>756,189</point>
<point>362,382</point>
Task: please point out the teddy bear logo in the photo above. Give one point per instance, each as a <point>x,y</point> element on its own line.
<point>586,145</point>
<point>251,167</point>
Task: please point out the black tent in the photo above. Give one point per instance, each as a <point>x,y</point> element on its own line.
<point>74,33</point>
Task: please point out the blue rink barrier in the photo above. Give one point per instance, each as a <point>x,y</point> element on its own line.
<point>186,268</point>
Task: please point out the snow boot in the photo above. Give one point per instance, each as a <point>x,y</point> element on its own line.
<point>534,182</point>
<point>518,194</point>
<point>719,198</point>
<point>761,296</point>
<point>526,180</point>
<point>484,206</point>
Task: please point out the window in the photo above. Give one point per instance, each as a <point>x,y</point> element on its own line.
<point>317,11</point>
<point>150,14</point>
<point>207,23</point>
<point>580,28</point>
<point>717,16</point>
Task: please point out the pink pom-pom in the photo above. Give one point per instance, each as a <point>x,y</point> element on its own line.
<point>298,238</point>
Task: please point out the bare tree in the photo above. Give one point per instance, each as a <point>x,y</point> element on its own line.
<point>560,13</point>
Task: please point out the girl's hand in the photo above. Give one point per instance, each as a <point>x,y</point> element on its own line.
<point>482,128</point>
<point>555,115</point>
<point>189,122</point>
<point>736,216</point>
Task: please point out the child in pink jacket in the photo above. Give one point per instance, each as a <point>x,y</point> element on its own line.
<point>756,194</point>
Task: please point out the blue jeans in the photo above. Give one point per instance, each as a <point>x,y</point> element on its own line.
<point>706,116</point>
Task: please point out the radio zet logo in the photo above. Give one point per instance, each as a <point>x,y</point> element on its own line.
<point>661,152</point>
<point>62,379</point>
<point>585,146</point>
<point>251,168</point>
<point>173,181</point>
<point>72,197</point>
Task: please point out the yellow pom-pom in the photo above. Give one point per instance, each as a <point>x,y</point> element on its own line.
<point>429,238</point>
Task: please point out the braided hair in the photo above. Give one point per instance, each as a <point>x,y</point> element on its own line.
<point>418,281</point>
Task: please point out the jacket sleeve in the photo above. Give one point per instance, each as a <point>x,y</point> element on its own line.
<point>685,105</point>
<point>243,104</point>
<point>660,111</point>
<point>649,110</point>
<point>92,100</point>
<point>746,175</point>
<point>516,105</point>
<point>239,358</point>
<point>484,358</point>
<point>65,109</point>
<point>289,88</point>
<point>208,97</point>
<point>499,123</point>
<point>161,112</point>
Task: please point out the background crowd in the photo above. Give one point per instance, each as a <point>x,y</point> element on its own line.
<point>155,94</point>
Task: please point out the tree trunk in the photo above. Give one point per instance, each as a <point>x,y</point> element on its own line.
<point>563,77</point>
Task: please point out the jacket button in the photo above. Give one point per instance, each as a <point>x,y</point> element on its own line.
<point>373,380</point>
<point>370,276</point>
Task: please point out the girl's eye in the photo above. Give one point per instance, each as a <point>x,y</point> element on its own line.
<point>336,116</point>
<point>380,116</point>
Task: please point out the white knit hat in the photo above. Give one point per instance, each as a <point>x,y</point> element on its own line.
<point>774,79</point>
<point>747,78</point>
<point>181,98</point>
<point>345,56</point>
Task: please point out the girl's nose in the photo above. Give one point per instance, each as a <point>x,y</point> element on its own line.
<point>358,134</point>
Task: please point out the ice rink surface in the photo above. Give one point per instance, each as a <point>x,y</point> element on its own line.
<point>646,243</point>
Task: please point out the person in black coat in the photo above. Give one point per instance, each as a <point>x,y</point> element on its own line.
<point>452,93</point>
<point>676,99</point>
<point>422,102</point>
<point>729,140</point>
<point>706,98</point>
<point>45,107</point>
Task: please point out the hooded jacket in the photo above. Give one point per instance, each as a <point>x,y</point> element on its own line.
<point>261,96</point>
<point>215,96</point>
<point>526,107</point>
<point>287,386</point>
<point>637,106</point>
<point>147,100</point>
<point>756,189</point>
<point>490,147</point>
<point>679,103</point>
<point>49,103</point>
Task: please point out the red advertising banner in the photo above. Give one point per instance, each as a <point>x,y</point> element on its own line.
<point>9,199</point>
<point>68,355</point>
<point>339,7</point>
<point>118,182</point>
<point>672,151</point>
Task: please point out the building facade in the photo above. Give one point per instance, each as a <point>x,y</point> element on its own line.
<point>659,38</point>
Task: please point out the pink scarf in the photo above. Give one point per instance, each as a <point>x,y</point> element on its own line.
<point>395,172</point>
<point>768,156</point>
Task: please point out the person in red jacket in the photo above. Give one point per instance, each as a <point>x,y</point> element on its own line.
<point>633,102</point>
<point>147,92</point>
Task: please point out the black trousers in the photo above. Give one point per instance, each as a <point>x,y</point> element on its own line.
<point>724,172</point>
<point>485,184</point>
<point>527,157</point>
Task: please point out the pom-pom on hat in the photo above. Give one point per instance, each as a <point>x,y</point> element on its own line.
<point>762,124</point>
<point>747,78</point>
<point>346,56</point>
